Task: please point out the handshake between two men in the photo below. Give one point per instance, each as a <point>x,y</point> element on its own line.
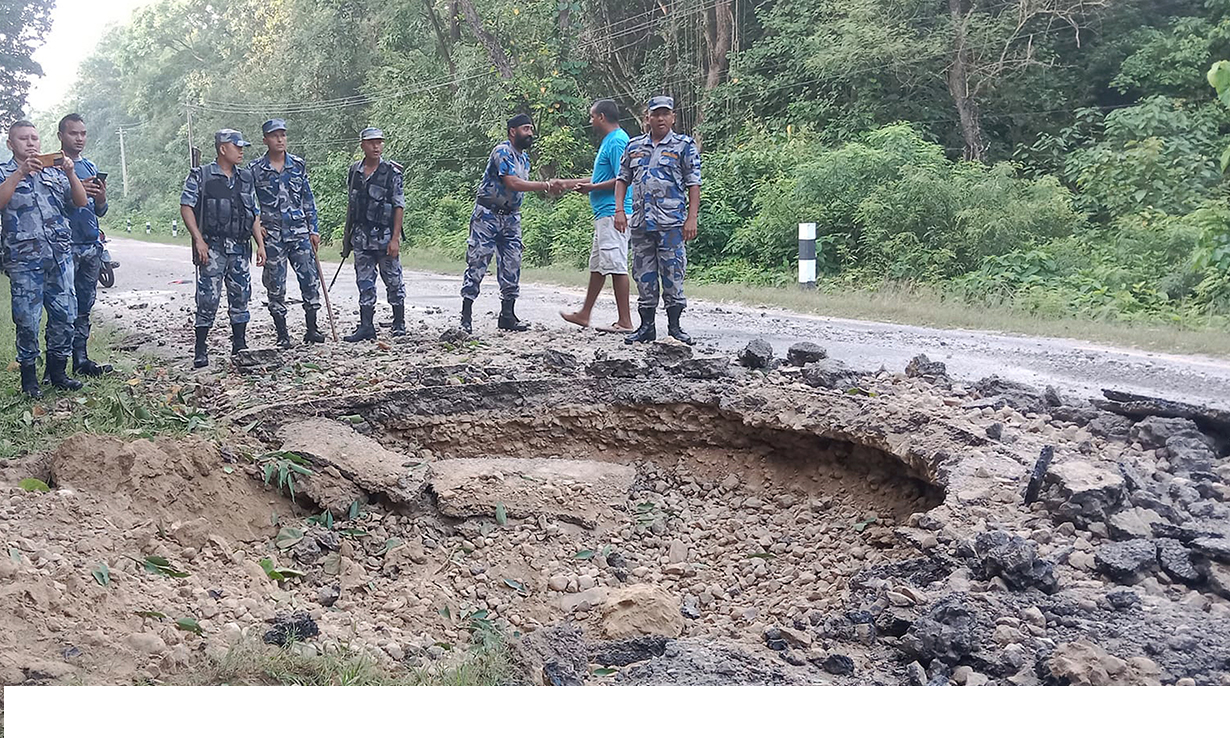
<point>579,186</point>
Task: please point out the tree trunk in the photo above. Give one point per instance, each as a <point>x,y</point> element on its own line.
<point>445,45</point>
<point>959,85</point>
<point>718,33</point>
<point>454,28</point>
<point>499,59</point>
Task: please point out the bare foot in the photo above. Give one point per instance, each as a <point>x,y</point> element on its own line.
<point>575,318</point>
<point>615,328</point>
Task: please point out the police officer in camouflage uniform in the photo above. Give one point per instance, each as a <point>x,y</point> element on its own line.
<point>35,205</point>
<point>288,217</point>
<point>495,224</point>
<point>375,211</point>
<point>663,169</point>
<point>87,246</point>
<point>220,210</point>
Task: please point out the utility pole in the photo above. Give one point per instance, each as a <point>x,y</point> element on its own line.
<point>123,164</point>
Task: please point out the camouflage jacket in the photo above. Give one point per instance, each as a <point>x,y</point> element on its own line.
<point>226,219</point>
<point>373,200</point>
<point>35,222</point>
<point>288,208</point>
<point>84,221</point>
<point>504,160</point>
<point>659,176</point>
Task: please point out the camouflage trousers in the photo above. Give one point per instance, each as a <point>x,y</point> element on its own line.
<point>366,264</point>
<point>492,234</point>
<point>36,285</point>
<point>659,256</point>
<point>298,252</point>
<point>233,270</point>
<point>87,263</point>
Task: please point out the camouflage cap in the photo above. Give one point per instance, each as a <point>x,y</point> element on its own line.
<point>371,134</point>
<point>274,124</point>
<point>230,135</point>
<point>661,101</point>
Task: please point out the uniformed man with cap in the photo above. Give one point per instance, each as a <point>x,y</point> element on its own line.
<point>35,205</point>
<point>495,224</point>
<point>663,169</point>
<point>376,208</point>
<point>288,217</point>
<point>221,212</point>
<point>87,243</point>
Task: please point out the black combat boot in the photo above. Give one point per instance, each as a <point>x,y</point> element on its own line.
<point>312,334</point>
<point>57,370</point>
<point>366,330</point>
<point>648,331</point>
<point>83,367</point>
<point>239,342</point>
<point>399,320</point>
<point>467,317</point>
<point>508,317</point>
<point>200,357</point>
<point>672,321</point>
<point>29,381</point>
<point>279,324</point>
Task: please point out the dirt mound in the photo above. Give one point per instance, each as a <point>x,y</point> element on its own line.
<point>77,569</point>
<point>167,480</point>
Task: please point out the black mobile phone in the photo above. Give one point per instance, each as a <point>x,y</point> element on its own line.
<point>102,176</point>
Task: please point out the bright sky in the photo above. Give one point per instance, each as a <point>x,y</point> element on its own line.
<point>76,27</point>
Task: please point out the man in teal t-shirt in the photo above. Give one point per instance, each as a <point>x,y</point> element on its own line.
<point>609,253</point>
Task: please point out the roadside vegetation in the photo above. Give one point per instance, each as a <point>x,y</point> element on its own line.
<point>254,664</point>
<point>135,400</point>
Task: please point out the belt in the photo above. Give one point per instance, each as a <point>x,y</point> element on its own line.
<point>499,209</point>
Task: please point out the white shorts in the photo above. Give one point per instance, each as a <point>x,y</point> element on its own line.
<point>609,254</point>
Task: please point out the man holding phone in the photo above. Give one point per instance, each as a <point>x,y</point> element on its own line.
<point>87,248</point>
<point>36,201</point>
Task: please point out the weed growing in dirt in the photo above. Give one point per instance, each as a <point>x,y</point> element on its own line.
<point>249,663</point>
<point>285,466</point>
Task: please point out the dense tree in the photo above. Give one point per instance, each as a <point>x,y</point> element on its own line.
<point>1061,153</point>
<point>23,26</point>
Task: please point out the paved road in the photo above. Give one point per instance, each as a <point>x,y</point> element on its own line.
<point>154,294</point>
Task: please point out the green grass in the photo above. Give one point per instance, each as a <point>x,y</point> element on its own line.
<point>914,307</point>
<point>119,403</point>
<point>249,663</point>
<point>160,234</point>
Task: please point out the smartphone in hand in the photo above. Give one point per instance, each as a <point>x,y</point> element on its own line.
<point>54,159</point>
<point>102,176</point>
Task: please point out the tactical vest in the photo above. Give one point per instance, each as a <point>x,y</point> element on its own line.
<point>373,198</point>
<point>223,214</point>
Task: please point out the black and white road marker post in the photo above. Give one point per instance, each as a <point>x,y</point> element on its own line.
<point>807,255</point>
